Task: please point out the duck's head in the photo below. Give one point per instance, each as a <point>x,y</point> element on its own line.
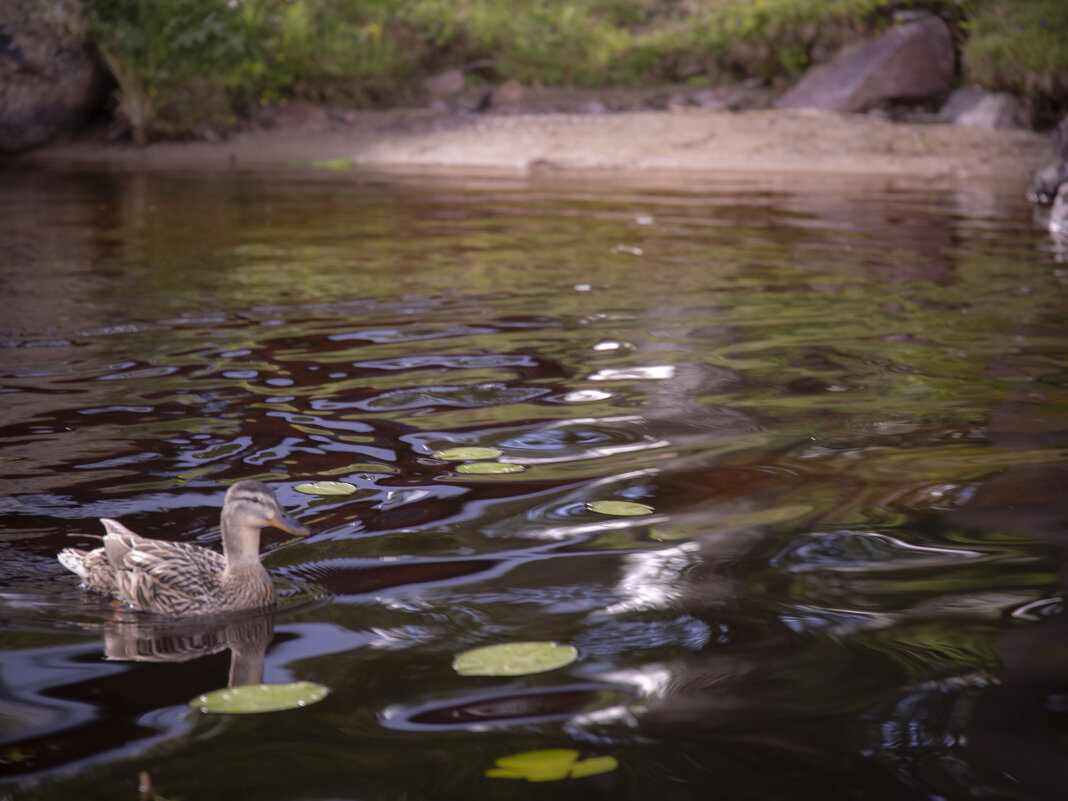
<point>248,507</point>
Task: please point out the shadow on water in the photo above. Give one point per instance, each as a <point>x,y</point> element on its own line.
<point>843,403</point>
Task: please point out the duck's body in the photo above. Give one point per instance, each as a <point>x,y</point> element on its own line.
<point>178,579</point>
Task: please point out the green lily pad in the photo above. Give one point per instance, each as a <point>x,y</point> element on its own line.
<point>619,508</point>
<point>488,468</point>
<point>372,467</point>
<point>550,765</point>
<point>254,698</point>
<point>326,488</point>
<point>514,659</point>
<point>467,452</point>
<point>337,165</point>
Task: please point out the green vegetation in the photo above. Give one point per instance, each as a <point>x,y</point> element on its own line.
<point>187,66</point>
<point>1020,47</point>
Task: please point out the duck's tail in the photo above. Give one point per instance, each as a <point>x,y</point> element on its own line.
<point>74,560</point>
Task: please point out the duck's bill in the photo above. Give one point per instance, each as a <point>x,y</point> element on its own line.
<point>289,525</point>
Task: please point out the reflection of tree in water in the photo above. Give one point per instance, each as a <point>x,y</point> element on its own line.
<point>852,645</point>
<point>1017,724</point>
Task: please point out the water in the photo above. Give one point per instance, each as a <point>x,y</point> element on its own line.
<point>844,403</point>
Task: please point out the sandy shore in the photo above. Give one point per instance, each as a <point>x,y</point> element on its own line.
<point>691,140</point>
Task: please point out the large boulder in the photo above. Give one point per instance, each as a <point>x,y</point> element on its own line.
<point>49,80</point>
<point>910,63</point>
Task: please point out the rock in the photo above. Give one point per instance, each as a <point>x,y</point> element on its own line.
<point>678,100</point>
<point>721,99</point>
<point>50,82</point>
<point>995,110</point>
<point>910,63</point>
<point>509,93</point>
<point>297,116</point>
<point>593,107</point>
<point>733,98</point>
<point>1058,215</point>
<point>1047,181</point>
<point>657,101</point>
<point>960,100</point>
<point>1060,138</point>
<point>444,83</point>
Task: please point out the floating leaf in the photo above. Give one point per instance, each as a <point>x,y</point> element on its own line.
<point>338,165</point>
<point>593,766</point>
<point>549,765</point>
<point>254,698</point>
<point>371,467</point>
<point>514,659</point>
<point>326,488</point>
<point>489,468</point>
<point>466,452</point>
<point>619,508</point>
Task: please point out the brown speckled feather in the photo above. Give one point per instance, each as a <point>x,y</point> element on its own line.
<point>175,577</point>
<point>179,579</point>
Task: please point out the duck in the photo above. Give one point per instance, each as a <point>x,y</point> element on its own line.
<point>179,579</point>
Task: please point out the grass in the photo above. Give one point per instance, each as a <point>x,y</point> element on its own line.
<point>187,66</point>
<point>1020,46</point>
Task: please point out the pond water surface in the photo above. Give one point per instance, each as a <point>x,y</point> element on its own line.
<point>844,404</point>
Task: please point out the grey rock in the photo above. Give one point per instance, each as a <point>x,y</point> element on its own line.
<point>1047,181</point>
<point>50,82</point>
<point>733,98</point>
<point>910,63</point>
<point>960,100</point>
<point>994,111</point>
<point>1060,138</point>
<point>716,99</point>
<point>509,93</point>
<point>1058,215</point>
<point>444,83</point>
<point>298,116</point>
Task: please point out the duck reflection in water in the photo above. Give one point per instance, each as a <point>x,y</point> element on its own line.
<point>130,639</point>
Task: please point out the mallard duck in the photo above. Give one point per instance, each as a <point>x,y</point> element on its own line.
<point>179,579</point>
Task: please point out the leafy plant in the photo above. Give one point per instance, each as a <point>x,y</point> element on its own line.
<point>1020,47</point>
<point>187,66</point>
<point>176,62</point>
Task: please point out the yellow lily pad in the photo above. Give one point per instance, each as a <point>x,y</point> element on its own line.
<point>593,766</point>
<point>551,764</point>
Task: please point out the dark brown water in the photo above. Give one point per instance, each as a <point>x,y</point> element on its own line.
<point>845,404</point>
